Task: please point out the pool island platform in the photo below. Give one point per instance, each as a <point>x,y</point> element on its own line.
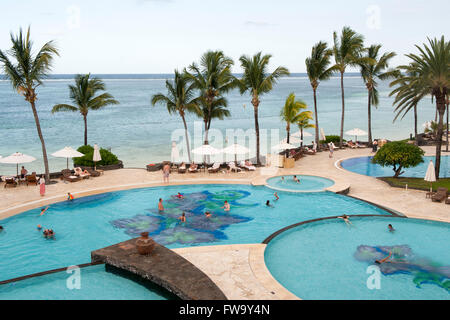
<point>163,267</point>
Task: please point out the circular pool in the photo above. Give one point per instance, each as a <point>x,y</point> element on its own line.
<point>328,259</point>
<point>364,166</point>
<point>303,184</point>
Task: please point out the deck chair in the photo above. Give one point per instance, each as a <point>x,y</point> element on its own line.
<point>10,182</point>
<point>215,168</point>
<point>67,176</point>
<point>249,167</point>
<point>182,168</point>
<point>32,179</point>
<point>440,195</point>
<point>232,167</point>
<point>193,168</point>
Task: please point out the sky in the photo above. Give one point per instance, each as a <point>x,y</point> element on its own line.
<point>158,36</point>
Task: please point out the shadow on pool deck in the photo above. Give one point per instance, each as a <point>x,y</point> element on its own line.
<point>163,267</point>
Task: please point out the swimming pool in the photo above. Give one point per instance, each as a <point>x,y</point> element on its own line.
<point>95,283</point>
<point>94,222</point>
<point>306,184</point>
<point>363,165</point>
<point>330,260</point>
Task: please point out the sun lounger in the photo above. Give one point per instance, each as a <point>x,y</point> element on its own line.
<point>232,167</point>
<point>182,169</point>
<point>440,195</point>
<point>215,168</point>
<point>447,201</point>
<point>93,173</point>
<point>82,174</point>
<point>193,169</point>
<point>67,176</point>
<point>247,166</point>
<point>32,179</point>
<point>10,182</point>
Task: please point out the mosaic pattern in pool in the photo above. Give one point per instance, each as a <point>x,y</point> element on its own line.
<point>167,229</point>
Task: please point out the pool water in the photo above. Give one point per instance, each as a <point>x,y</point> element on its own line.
<point>363,165</point>
<point>329,260</point>
<point>306,184</point>
<point>91,223</point>
<point>94,284</point>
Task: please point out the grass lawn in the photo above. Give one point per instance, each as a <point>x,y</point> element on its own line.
<point>417,183</point>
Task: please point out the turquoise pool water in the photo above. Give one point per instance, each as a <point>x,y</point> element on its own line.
<point>364,166</point>
<point>90,223</point>
<point>94,284</point>
<point>329,260</point>
<point>307,183</point>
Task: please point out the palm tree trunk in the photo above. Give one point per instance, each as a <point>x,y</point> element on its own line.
<point>288,132</point>
<point>316,116</point>
<point>41,137</point>
<point>85,129</point>
<point>301,138</point>
<point>440,105</point>
<point>255,108</point>
<point>341,141</point>
<point>415,124</point>
<point>369,112</point>
<point>187,138</point>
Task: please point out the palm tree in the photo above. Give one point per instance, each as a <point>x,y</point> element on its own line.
<point>303,122</point>
<point>317,66</point>
<point>180,99</point>
<point>216,110</point>
<point>26,71</point>
<point>258,81</point>
<point>83,96</point>
<point>291,113</point>
<point>427,74</point>
<point>346,50</point>
<point>370,73</point>
<point>213,78</point>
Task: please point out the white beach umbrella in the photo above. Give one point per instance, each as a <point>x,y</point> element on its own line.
<point>430,176</point>
<point>96,157</point>
<point>283,146</point>
<point>356,132</point>
<point>292,140</point>
<point>322,135</point>
<point>206,150</point>
<point>17,158</point>
<point>67,153</point>
<point>175,154</point>
<point>236,149</point>
<point>299,134</point>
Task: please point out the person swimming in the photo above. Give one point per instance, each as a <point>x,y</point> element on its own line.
<point>391,228</point>
<point>268,204</point>
<point>346,219</point>
<point>44,210</point>
<point>160,205</point>
<point>49,234</point>
<point>69,197</point>
<point>179,196</point>
<point>282,180</point>
<point>182,218</point>
<point>1,228</point>
<point>296,179</point>
<point>226,206</point>
<point>208,214</point>
<point>384,260</point>
<point>39,227</point>
<point>276,196</point>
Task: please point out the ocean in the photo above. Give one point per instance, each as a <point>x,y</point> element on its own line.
<point>139,133</point>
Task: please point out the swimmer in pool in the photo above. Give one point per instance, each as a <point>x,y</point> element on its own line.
<point>182,218</point>
<point>39,227</point>
<point>282,179</point>
<point>391,228</point>
<point>384,260</point>
<point>208,214</point>
<point>44,210</point>
<point>268,204</point>
<point>346,219</point>
<point>180,196</point>
<point>276,196</point>
<point>160,205</point>
<point>296,179</point>
<point>226,207</point>
<point>69,197</point>
<point>1,229</point>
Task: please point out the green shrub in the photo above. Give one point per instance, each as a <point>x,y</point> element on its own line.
<point>332,138</point>
<point>108,158</point>
<point>399,155</point>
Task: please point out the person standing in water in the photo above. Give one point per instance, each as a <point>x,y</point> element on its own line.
<point>160,206</point>
<point>346,219</point>
<point>182,218</point>
<point>226,207</point>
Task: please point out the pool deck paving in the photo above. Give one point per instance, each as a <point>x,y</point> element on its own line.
<point>239,270</point>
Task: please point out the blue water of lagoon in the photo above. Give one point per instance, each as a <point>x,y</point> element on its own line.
<point>94,222</point>
<point>330,260</point>
<point>363,165</point>
<point>304,183</point>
